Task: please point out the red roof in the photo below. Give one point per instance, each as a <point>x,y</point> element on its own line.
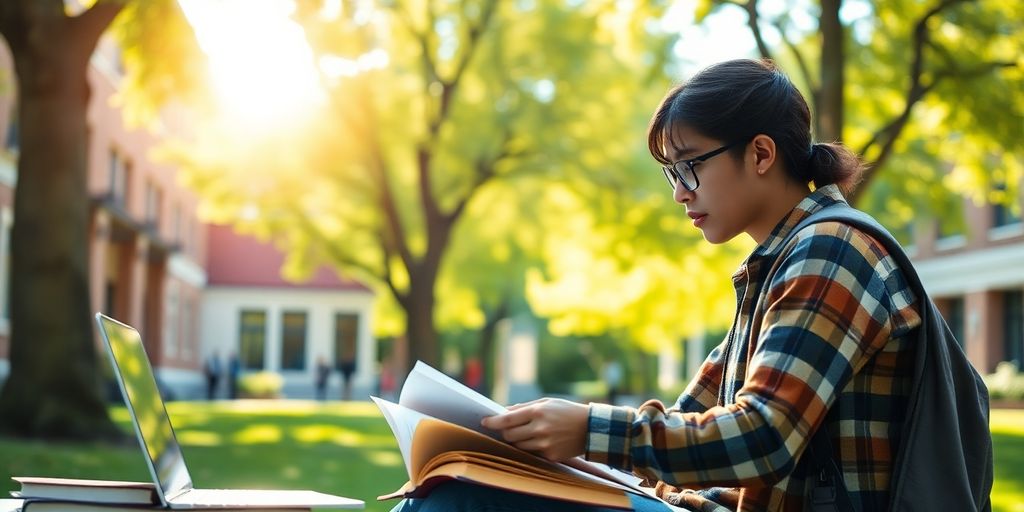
<point>238,260</point>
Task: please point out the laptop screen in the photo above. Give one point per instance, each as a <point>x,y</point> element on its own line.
<point>145,406</point>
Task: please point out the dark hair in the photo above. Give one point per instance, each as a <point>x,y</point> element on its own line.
<point>736,100</point>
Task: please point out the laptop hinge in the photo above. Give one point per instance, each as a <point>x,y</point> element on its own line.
<point>178,494</point>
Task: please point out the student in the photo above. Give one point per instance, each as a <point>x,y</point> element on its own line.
<point>823,344</point>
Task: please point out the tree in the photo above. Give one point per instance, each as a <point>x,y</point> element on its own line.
<point>53,387</point>
<point>474,93</point>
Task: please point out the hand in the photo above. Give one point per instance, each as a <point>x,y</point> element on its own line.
<point>553,428</point>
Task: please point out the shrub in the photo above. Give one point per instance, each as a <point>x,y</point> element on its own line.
<point>1007,383</point>
<point>260,385</point>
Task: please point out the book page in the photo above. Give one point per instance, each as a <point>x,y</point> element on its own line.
<point>403,422</point>
<point>627,480</point>
<point>437,437</point>
<point>435,394</point>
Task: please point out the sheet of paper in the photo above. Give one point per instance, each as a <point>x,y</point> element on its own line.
<point>435,394</point>
<point>403,422</point>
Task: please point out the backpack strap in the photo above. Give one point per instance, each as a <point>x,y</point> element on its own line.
<point>829,492</point>
<point>944,459</point>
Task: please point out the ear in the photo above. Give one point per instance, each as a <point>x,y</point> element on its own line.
<point>764,152</point>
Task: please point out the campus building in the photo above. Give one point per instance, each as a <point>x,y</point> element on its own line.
<point>977,280</point>
<point>193,290</point>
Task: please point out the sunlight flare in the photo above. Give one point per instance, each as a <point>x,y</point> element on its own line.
<point>264,71</point>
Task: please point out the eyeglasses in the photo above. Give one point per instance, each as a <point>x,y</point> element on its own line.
<point>683,170</point>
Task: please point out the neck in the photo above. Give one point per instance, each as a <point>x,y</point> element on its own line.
<point>776,209</point>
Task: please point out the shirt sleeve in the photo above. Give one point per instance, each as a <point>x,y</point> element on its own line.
<point>827,310</point>
<point>701,393</point>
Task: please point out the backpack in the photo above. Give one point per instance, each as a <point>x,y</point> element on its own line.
<point>944,461</point>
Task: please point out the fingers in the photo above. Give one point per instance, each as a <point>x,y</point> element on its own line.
<point>519,434</point>
<point>508,420</point>
<point>514,407</point>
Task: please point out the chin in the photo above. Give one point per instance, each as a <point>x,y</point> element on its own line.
<point>717,237</point>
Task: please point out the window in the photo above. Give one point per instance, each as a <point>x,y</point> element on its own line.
<point>120,177</point>
<point>154,202</point>
<point>252,339</point>
<point>293,338</point>
<point>1013,326</point>
<point>1003,214</point>
<point>346,334</point>
<point>955,318</point>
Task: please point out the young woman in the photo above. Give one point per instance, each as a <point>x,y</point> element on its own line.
<point>820,341</point>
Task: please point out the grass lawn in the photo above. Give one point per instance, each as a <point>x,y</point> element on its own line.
<point>1008,440</point>
<point>334,447</point>
<point>343,448</point>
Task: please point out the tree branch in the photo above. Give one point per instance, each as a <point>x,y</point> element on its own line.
<point>386,255</point>
<point>422,40</point>
<point>886,137</point>
<point>475,31</point>
<point>385,195</point>
<point>339,257</point>
<point>89,25</point>
<point>805,70</point>
<point>434,218</point>
<point>753,21</point>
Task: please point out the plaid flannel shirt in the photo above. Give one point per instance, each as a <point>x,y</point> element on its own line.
<point>827,344</point>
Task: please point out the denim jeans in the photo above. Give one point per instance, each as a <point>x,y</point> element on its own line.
<point>457,496</point>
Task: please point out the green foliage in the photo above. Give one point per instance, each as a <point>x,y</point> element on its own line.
<point>1006,383</point>
<point>162,61</point>
<point>522,123</point>
<point>965,137</point>
<point>528,113</point>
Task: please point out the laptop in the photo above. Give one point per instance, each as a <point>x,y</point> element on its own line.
<point>160,446</point>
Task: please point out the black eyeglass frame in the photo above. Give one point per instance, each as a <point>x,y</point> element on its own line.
<point>673,175</point>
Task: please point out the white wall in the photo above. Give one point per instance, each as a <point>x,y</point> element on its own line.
<point>985,269</point>
<point>219,327</point>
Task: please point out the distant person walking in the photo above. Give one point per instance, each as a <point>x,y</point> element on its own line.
<point>234,368</point>
<point>212,370</point>
<point>323,373</point>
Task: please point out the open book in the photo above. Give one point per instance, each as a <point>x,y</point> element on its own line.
<point>437,425</point>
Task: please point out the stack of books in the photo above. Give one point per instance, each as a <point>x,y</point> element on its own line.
<point>43,494</point>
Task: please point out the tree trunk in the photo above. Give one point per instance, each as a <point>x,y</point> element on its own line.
<point>53,390</point>
<point>421,331</point>
<point>829,119</point>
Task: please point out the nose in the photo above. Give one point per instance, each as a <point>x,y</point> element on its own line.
<point>681,194</point>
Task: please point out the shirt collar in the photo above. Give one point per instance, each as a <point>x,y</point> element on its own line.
<point>820,198</point>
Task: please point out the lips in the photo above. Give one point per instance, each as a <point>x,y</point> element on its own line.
<point>698,218</point>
